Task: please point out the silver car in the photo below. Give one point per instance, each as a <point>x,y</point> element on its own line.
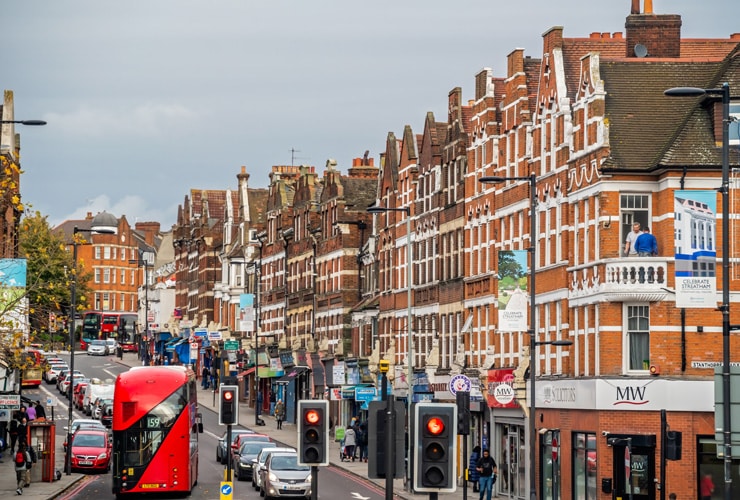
<point>97,348</point>
<point>284,477</point>
<point>258,464</point>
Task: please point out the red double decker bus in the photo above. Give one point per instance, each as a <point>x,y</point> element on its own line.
<point>110,325</point>
<point>155,431</point>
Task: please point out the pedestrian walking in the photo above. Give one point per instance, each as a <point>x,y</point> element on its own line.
<point>13,431</point>
<point>23,431</point>
<point>473,474</point>
<point>22,459</point>
<point>279,413</point>
<point>706,487</point>
<point>31,413</point>
<point>34,458</point>
<point>487,469</point>
<point>350,441</point>
<point>40,412</point>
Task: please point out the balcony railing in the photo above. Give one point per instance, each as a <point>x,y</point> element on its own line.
<point>636,278</point>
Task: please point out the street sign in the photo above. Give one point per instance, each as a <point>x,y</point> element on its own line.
<point>10,402</point>
<point>231,345</point>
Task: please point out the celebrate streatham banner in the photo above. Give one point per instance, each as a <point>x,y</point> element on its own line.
<point>695,235</point>
<point>512,290</point>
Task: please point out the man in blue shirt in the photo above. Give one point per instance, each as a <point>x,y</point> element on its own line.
<point>646,245</point>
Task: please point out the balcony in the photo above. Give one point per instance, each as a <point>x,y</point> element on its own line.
<point>624,279</point>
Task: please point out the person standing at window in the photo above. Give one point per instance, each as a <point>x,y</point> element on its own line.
<point>646,245</point>
<point>629,243</point>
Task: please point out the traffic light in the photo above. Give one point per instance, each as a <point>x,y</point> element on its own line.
<point>228,409</point>
<point>313,432</point>
<point>377,426</point>
<point>462,399</point>
<point>435,460</point>
<point>673,444</point>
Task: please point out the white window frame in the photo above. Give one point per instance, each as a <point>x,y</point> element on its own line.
<point>635,310</point>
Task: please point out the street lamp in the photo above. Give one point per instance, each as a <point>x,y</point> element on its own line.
<point>532,179</point>
<point>73,313</point>
<point>410,329</point>
<point>724,92</point>
<point>25,122</point>
<point>144,262</point>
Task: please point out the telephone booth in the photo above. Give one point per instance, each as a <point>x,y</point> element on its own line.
<point>41,437</point>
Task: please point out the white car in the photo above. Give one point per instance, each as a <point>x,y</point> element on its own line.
<point>258,464</point>
<point>111,345</point>
<point>54,368</point>
<point>97,348</point>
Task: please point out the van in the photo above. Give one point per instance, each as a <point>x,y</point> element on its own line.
<point>94,391</point>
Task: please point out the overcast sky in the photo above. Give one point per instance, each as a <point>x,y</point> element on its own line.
<point>148,99</point>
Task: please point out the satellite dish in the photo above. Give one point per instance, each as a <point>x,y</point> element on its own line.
<point>640,50</point>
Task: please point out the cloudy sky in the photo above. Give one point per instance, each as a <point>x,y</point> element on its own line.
<point>148,99</point>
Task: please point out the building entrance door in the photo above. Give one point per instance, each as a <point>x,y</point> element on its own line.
<point>511,479</point>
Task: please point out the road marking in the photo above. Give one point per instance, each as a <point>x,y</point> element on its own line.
<point>358,496</point>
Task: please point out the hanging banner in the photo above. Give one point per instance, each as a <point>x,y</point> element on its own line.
<point>695,234</point>
<point>512,290</point>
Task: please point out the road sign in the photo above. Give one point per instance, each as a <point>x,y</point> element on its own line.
<point>231,345</point>
<point>226,490</point>
<point>51,401</point>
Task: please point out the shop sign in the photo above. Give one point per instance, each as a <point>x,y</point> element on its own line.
<point>366,394</point>
<point>501,389</point>
<point>10,402</point>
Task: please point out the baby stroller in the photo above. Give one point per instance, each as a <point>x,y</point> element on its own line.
<point>343,455</point>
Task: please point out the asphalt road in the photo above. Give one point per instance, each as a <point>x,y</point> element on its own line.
<point>333,483</point>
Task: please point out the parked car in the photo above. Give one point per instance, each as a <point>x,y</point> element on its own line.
<point>244,458</point>
<point>258,464</point>
<point>53,370</point>
<point>63,376</point>
<point>283,477</point>
<point>111,345</point>
<point>247,437</point>
<point>97,348</point>
<point>221,449</point>
<point>97,409</point>
<point>106,414</point>
<point>92,392</point>
<point>90,450</point>
<point>78,393</point>
<point>69,384</point>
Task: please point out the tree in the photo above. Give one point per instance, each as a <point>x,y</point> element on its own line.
<point>508,267</point>
<point>50,274</point>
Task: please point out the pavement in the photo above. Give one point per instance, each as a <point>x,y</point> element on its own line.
<point>288,435</point>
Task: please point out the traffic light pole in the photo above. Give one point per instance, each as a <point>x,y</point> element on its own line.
<point>228,449</point>
<point>390,438</point>
<point>314,482</point>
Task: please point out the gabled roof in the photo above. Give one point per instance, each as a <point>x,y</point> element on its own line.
<point>647,128</point>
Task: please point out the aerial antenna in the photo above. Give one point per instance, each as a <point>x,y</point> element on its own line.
<point>293,157</point>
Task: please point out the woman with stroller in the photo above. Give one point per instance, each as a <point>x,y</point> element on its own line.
<point>350,441</point>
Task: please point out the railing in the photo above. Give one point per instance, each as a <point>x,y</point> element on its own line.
<point>641,271</point>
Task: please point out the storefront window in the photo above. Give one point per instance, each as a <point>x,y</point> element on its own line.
<point>550,466</point>
<point>584,466</point>
<point>712,466</point>
<point>511,459</point>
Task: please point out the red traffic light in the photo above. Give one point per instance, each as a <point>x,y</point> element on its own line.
<point>228,395</point>
<point>312,417</point>
<point>435,426</point>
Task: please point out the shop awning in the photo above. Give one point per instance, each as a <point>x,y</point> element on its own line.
<point>248,371</point>
<point>292,374</point>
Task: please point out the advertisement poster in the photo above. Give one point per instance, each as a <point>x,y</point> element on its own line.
<point>695,234</point>
<point>512,290</point>
<point>501,389</point>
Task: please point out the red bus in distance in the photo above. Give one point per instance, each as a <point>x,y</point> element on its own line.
<point>155,431</point>
<point>103,325</point>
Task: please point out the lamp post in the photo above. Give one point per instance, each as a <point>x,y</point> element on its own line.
<point>144,262</point>
<point>73,314</point>
<point>724,93</point>
<point>25,122</point>
<point>410,329</point>
<point>532,179</point>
